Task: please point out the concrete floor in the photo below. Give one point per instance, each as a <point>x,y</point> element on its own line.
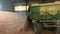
<point>10,22</point>
<point>29,31</point>
<point>26,32</point>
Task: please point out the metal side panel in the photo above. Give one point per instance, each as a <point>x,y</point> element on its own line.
<point>45,12</point>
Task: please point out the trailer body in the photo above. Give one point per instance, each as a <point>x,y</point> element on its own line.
<point>45,12</point>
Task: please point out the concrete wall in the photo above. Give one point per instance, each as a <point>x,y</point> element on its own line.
<point>6,5</point>
<point>22,13</point>
<point>20,4</point>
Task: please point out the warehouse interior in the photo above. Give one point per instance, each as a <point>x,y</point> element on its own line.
<point>14,17</point>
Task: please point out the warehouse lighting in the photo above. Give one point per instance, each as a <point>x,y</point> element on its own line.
<point>21,8</point>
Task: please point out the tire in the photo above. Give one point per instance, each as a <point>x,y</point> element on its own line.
<point>37,28</point>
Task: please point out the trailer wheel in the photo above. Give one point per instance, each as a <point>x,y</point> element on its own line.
<point>37,28</point>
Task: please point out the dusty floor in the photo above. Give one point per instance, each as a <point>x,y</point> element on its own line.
<point>10,22</point>
<point>26,32</point>
<point>29,31</point>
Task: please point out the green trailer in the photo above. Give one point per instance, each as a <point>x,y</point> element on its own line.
<point>44,16</point>
<point>45,12</point>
